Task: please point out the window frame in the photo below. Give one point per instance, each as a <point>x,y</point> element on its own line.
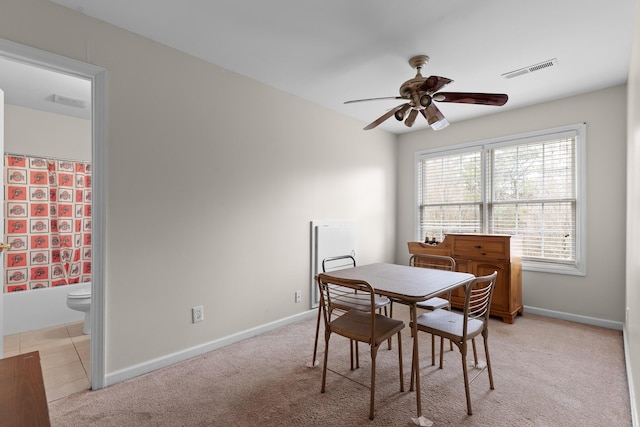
<point>579,131</point>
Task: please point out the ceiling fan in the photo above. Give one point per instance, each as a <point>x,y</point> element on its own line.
<point>420,92</point>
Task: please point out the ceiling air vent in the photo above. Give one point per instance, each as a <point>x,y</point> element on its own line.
<point>65,100</point>
<point>530,69</point>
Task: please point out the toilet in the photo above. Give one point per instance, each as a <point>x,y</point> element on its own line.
<point>80,300</point>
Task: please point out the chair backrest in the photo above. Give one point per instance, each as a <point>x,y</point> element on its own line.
<point>440,262</point>
<point>337,263</point>
<point>345,295</point>
<point>478,295</point>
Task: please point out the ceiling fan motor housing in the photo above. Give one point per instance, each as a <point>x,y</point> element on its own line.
<point>409,90</point>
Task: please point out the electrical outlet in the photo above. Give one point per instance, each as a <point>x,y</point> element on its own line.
<point>298,296</point>
<point>197,314</point>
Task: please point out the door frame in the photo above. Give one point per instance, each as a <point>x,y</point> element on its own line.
<point>97,76</point>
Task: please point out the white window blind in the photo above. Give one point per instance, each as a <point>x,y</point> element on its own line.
<point>529,185</point>
<point>450,193</point>
<point>533,195</point>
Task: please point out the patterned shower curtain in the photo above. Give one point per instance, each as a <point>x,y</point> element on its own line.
<point>47,214</point>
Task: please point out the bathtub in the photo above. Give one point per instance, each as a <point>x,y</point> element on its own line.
<point>39,308</point>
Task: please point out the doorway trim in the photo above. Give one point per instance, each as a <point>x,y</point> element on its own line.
<point>97,76</point>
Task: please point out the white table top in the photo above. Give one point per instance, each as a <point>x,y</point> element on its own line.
<point>404,282</point>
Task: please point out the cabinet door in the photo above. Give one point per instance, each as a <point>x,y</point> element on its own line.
<point>501,293</point>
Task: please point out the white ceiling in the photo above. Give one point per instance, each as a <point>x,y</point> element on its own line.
<point>332,51</point>
<point>33,87</point>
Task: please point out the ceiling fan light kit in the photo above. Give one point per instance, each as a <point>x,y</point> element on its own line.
<point>412,118</point>
<point>419,94</point>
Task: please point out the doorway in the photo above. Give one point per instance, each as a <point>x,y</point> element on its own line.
<point>67,67</point>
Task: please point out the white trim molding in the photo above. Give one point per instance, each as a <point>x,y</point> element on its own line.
<point>97,76</point>
<point>577,318</point>
<point>632,394</point>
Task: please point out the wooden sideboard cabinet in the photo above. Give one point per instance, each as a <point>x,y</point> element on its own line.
<point>480,255</point>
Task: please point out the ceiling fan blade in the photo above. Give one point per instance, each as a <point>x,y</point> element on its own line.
<point>496,99</point>
<point>372,99</point>
<point>384,117</point>
<point>434,117</point>
<point>434,83</point>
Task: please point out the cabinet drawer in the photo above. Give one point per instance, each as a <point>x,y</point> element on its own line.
<point>481,249</point>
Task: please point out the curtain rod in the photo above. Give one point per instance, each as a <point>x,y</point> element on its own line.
<point>47,157</point>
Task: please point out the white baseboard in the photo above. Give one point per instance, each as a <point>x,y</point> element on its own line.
<point>610,324</point>
<point>632,394</point>
<point>170,359</point>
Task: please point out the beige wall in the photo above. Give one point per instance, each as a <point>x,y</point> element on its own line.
<point>39,133</point>
<point>632,325</point>
<point>600,294</point>
<point>212,180</point>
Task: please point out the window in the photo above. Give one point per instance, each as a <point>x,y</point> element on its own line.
<point>531,185</point>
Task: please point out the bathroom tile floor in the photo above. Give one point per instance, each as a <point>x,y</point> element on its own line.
<point>64,357</point>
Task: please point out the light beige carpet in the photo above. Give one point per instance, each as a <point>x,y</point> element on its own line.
<point>547,373</point>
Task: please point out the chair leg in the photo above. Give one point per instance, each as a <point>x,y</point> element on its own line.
<point>433,350</point>
<point>400,361</point>
<point>475,352</point>
<point>352,344</point>
<point>315,345</point>
<point>351,352</point>
<point>413,371</point>
<point>374,352</point>
<point>442,350</point>
<point>326,356</point>
<point>486,352</point>
<point>463,350</point>
<point>391,316</point>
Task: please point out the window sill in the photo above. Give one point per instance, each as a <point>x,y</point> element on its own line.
<point>541,267</point>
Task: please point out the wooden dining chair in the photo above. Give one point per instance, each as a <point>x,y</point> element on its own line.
<point>358,322</point>
<point>465,326</point>
<point>338,263</point>
<point>439,262</point>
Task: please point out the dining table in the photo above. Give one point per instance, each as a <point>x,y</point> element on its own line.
<point>408,285</point>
